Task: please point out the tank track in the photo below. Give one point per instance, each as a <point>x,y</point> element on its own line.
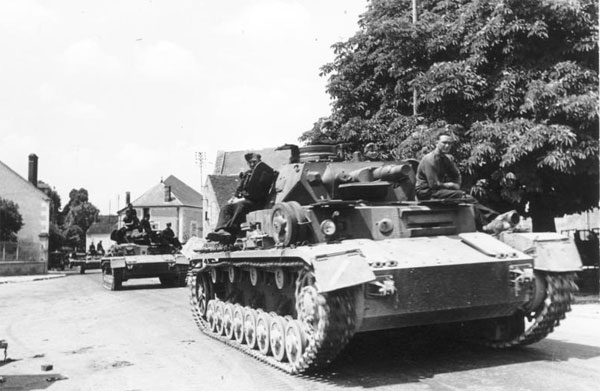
<point>336,312</point>
<point>560,292</point>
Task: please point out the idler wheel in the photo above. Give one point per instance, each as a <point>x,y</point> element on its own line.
<point>218,314</point>
<point>263,322</point>
<point>250,327</point>
<point>228,320</point>
<point>238,323</point>
<point>210,315</point>
<point>295,341</point>
<point>277,336</point>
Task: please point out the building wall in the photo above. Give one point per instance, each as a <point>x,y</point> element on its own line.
<point>191,223</point>
<point>212,209</point>
<point>34,208</point>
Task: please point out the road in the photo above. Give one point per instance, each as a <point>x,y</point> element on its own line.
<point>144,338</point>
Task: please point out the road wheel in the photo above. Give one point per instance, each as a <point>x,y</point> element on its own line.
<point>250,327</point>
<point>277,336</point>
<point>263,323</point>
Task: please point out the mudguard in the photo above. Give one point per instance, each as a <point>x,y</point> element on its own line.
<point>341,270</point>
<point>116,263</point>
<point>551,251</point>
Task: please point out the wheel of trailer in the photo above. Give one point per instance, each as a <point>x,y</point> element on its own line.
<point>219,312</point>
<point>238,323</point>
<point>295,340</point>
<point>263,322</point>
<point>285,219</point>
<point>210,315</point>
<point>277,336</point>
<point>250,327</point>
<point>201,293</point>
<point>228,320</point>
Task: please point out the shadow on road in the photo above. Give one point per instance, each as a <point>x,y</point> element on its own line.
<point>29,382</point>
<point>410,356</point>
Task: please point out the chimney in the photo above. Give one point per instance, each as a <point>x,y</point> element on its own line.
<point>167,193</point>
<point>127,198</point>
<point>33,169</point>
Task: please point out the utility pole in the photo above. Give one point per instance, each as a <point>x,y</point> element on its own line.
<point>414,20</point>
<point>200,158</point>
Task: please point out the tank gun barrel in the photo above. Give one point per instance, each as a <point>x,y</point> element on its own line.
<point>392,173</point>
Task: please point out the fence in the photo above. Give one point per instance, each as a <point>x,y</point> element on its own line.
<point>15,251</point>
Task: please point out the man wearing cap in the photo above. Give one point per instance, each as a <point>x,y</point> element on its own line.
<point>250,195</point>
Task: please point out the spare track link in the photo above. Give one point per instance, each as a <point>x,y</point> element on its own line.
<point>337,309</point>
<point>560,292</point>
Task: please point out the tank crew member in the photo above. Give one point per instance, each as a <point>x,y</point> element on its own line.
<point>100,248</point>
<point>370,152</point>
<point>439,178</point>
<point>168,236</point>
<point>145,225</point>
<point>251,194</point>
<point>92,249</point>
<point>437,175</point>
<point>130,222</point>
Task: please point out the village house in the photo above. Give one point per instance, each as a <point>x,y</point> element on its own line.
<point>170,201</point>
<point>100,231</point>
<point>29,255</point>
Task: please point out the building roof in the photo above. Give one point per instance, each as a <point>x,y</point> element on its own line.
<point>233,162</point>
<point>33,187</point>
<point>223,187</point>
<point>104,225</point>
<point>181,195</point>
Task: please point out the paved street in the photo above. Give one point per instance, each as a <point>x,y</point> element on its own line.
<point>144,338</point>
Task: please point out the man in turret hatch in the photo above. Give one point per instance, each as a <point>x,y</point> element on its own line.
<point>250,195</point>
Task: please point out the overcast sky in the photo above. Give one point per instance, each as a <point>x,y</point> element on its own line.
<point>112,95</point>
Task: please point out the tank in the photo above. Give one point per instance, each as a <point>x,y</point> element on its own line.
<point>344,248</point>
<point>144,256</point>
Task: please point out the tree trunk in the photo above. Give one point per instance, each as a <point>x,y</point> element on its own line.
<point>542,220</point>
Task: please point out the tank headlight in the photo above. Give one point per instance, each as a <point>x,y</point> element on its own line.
<point>328,227</point>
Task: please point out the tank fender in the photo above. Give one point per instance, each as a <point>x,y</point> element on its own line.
<point>181,259</point>
<point>116,263</point>
<point>551,251</point>
<point>341,270</point>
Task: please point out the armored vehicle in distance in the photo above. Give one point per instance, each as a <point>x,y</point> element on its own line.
<point>344,247</point>
<point>144,257</point>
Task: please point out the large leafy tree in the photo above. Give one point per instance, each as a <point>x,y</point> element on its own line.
<point>516,80</point>
<point>11,220</point>
<point>79,215</point>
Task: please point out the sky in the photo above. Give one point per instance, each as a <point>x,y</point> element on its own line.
<point>114,95</point>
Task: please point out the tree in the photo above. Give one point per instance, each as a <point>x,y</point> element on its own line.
<point>11,220</point>
<point>80,213</point>
<point>516,80</point>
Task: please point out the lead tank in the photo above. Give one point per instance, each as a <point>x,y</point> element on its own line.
<point>344,248</point>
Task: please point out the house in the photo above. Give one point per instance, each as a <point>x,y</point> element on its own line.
<point>30,254</point>
<point>217,191</point>
<point>233,162</point>
<point>100,231</point>
<point>170,201</point>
